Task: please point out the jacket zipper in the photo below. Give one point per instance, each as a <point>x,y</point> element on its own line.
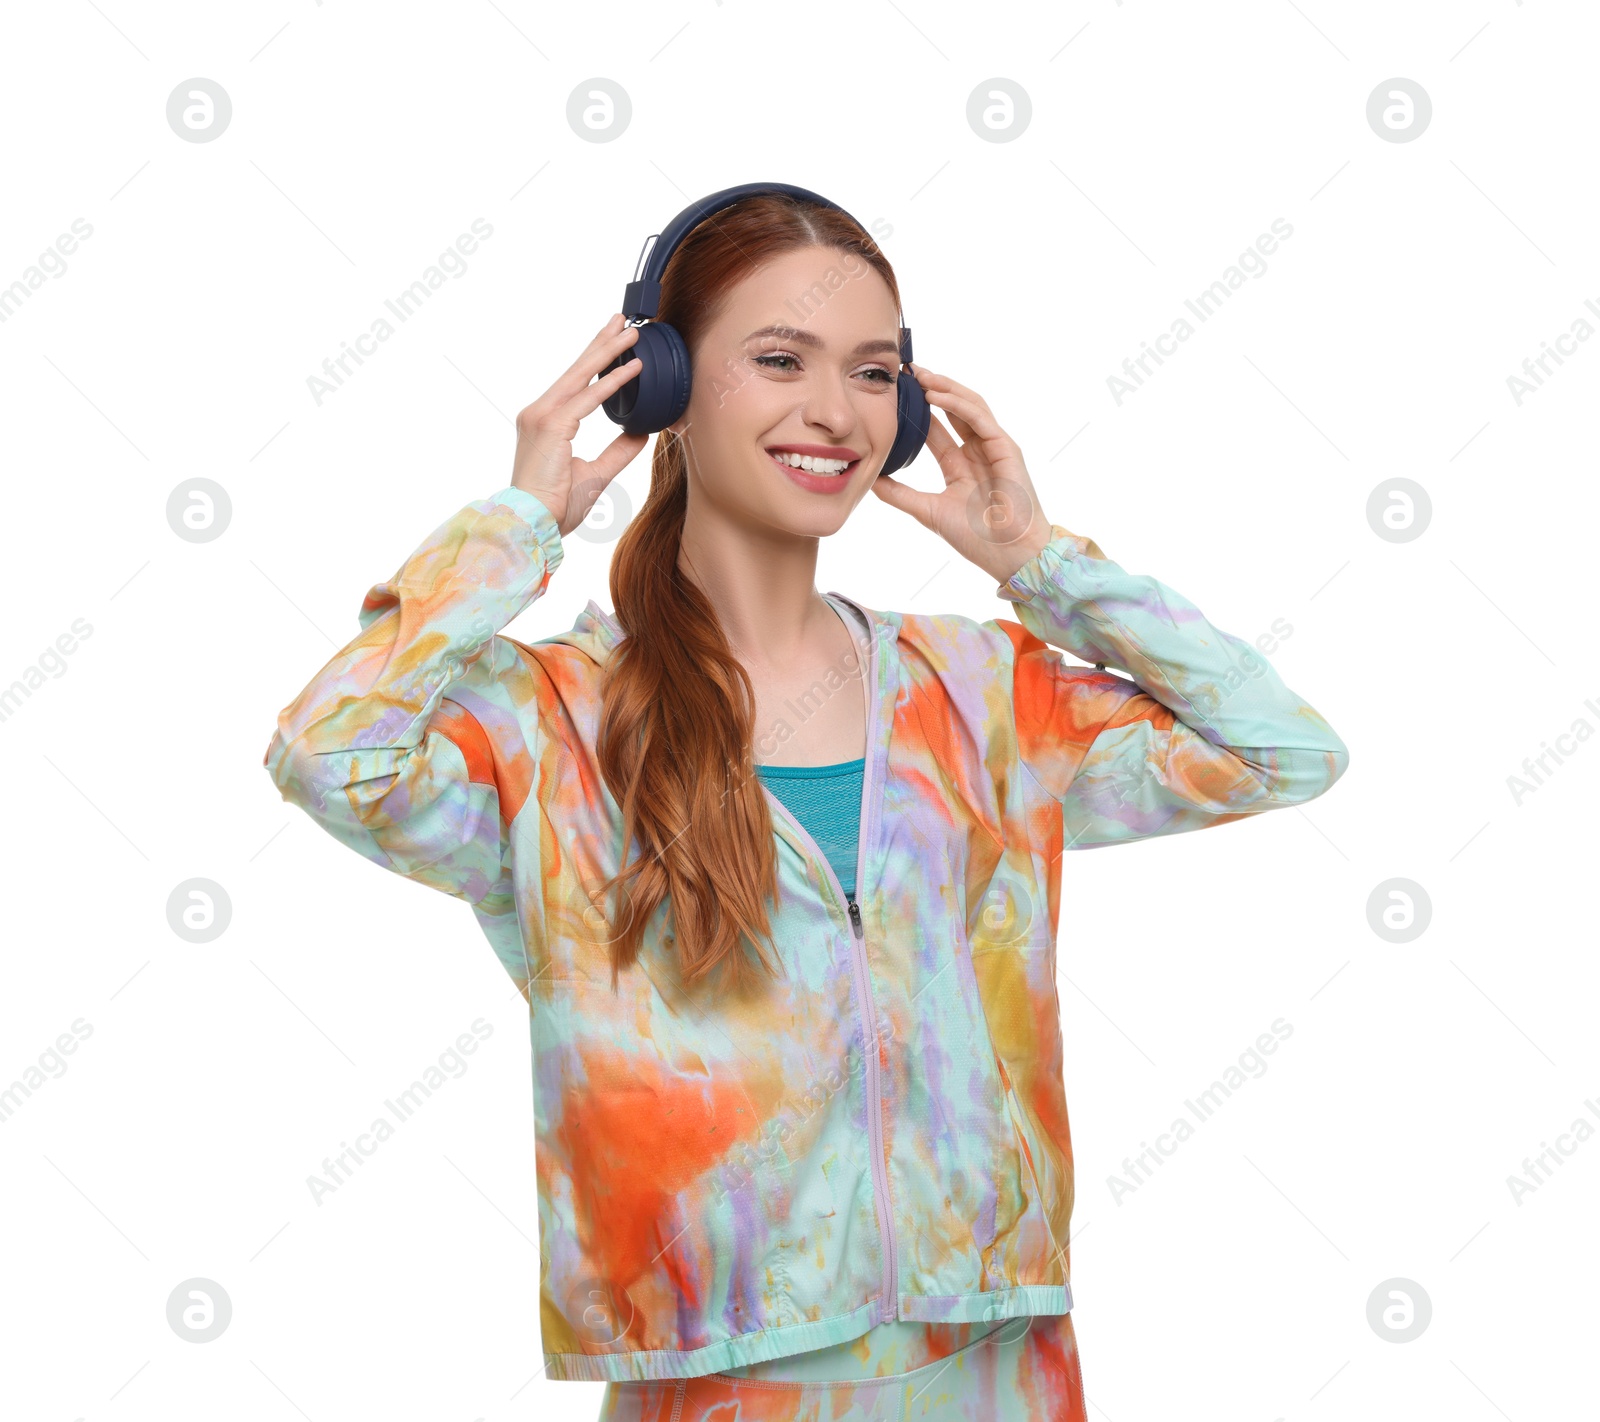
<point>889,1304</point>
<point>880,1169</point>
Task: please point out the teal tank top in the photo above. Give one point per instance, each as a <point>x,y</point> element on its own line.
<point>826,799</point>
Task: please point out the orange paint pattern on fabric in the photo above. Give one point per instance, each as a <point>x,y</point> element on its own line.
<point>636,1138</point>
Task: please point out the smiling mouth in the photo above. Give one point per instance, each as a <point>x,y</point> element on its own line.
<point>813,464</point>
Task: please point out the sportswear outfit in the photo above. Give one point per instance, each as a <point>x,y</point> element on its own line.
<point>879,1135</point>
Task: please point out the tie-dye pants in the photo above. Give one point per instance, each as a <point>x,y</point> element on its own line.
<point>1021,1370</point>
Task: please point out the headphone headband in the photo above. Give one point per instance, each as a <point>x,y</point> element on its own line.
<point>642,299</point>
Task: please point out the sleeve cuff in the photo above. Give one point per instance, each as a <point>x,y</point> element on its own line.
<point>536,514</point>
<point>1029,579</point>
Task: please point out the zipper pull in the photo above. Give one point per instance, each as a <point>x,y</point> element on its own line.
<point>855,916</point>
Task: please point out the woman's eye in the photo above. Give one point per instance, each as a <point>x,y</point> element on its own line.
<point>876,374</point>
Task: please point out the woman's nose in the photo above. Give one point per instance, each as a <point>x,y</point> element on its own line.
<point>828,406</point>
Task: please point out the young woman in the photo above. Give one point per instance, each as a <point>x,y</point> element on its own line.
<point>778,873</point>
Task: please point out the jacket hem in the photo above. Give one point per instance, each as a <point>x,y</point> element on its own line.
<point>758,1347</point>
<point>977,1308</point>
<point>769,1343</point>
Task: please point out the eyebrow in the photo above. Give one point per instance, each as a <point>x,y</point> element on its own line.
<point>808,338</point>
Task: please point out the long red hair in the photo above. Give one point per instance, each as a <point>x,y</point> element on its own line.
<point>678,709</point>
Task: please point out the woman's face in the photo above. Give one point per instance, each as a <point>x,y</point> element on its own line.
<point>803,359</point>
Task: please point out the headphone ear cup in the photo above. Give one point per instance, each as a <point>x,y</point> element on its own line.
<point>912,431</point>
<point>659,393</point>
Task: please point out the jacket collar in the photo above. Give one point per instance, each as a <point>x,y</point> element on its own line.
<point>595,631</point>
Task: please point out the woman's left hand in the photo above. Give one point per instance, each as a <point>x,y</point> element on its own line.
<point>988,510</point>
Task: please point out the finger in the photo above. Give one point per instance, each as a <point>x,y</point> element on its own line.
<point>944,382</point>
<point>903,497</point>
<point>616,456</point>
<point>939,438</point>
<point>968,407</point>
<point>598,354</point>
<point>973,444</point>
<point>589,398</point>
<point>967,461</point>
<point>614,326</point>
<point>975,413</point>
<point>950,456</point>
<point>962,428</point>
<point>974,401</point>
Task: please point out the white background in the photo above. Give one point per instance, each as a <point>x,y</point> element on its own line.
<point>1164,139</point>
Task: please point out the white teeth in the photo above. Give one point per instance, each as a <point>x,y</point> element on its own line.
<point>807,462</point>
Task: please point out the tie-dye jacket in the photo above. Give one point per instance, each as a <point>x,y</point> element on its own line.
<point>881,1133</point>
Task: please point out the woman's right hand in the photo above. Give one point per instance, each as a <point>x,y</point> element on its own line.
<point>544,465</point>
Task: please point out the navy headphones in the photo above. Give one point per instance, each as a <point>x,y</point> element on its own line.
<point>659,393</point>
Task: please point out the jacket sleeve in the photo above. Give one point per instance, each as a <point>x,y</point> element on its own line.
<point>409,746</point>
<point>1204,733</point>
